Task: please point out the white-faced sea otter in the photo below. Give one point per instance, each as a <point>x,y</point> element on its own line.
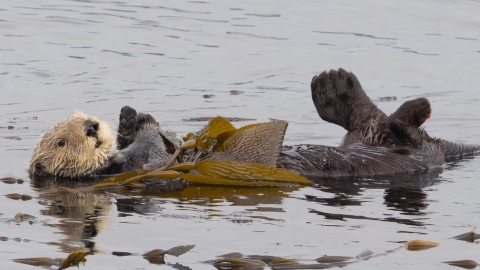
<point>375,144</point>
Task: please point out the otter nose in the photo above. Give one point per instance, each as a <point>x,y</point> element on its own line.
<point>39,170</point>
<point>91,128</point>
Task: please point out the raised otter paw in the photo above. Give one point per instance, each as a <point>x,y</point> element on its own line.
<point>404,123</point>
<point>126,127</point>
<point>129,124</point>
<point>340,99</point>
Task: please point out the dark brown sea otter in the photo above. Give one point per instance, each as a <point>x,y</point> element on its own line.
<point>375,144</point>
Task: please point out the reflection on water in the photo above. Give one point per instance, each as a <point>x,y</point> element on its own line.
<point>403,193</point>
<point>82,215</point>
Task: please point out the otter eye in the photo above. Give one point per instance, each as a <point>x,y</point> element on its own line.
<point>61,143</point>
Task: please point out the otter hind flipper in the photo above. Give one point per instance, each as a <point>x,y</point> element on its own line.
<point>404,123</point>
<point>339,98</point>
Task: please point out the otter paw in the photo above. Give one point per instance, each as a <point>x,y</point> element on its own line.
<point>126,127</point>
<point>336,94</point>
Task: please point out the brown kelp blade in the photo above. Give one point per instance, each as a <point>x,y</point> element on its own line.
<point>134,177</point>
<point>218,181</point>
<point>169,174</point>
<point>207,136</point>
<point>222,137</point>
<point>284,261</point>
<point>179,250</point>
<point>468,237</point>
<point>333,259</point>
<point>417,245</point>
<point>236,170</point>
<point>258,143</point>
<point>40,261</point>
<point>245,263</point>
<point>466,264</point>
<point>74,259</point>
<point>175,251</point>
<point>122,177</point>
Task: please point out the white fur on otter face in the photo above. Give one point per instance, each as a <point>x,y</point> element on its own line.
<point>67,151</point>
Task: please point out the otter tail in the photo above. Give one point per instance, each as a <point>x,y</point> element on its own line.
<point>454,150</point>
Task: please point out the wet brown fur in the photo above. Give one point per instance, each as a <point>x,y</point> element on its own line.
<point>79,154</point>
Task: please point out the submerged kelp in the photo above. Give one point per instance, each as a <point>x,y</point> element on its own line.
<point>76,258</point>
<point>239,261</point>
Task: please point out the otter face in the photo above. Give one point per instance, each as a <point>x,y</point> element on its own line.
<point>74,147</point>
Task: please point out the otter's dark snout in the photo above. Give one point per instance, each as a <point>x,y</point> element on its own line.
<point>91,128</point>
<point>40,170</point>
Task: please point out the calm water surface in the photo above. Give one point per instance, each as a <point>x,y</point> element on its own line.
<point>182,59</point>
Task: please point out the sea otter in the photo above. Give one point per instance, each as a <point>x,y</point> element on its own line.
<point>375,144</point>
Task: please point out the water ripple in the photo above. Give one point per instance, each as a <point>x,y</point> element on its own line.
<point>464,38</point>
<point>208,46</point>
<point>167,8</point>
<point>194,19</point>
<point>157,54</point>
<point>428,54</point>
<point>143,44</point>
<point>264,15</point>
<point>120,10</point>
<point>355,34</point>
<point>120,53</point>
<point>39,8</point>
<point>255,36</point>
<point>72,20</point>
<point>76,57</point>
<point>176,29</point>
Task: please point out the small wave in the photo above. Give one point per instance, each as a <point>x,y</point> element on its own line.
<point>120,53</point>
<point>464,38</point>
<point>167,8</point>
<point>255,36</point>
<point>194,19</point>
<point>264,15</point>
<point>428,54</point>
<point>355,34</point>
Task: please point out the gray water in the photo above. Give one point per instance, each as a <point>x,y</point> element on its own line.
<point>249,59</point>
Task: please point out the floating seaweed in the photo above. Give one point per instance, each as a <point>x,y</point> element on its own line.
<point>74,259</point>
<point>466,264</point>
<point>157,256</point>
<point>220,136</point>
<point>468,237</point>
<point>417,245</point>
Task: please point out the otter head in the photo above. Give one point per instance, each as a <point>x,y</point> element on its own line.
<point>74,147</point>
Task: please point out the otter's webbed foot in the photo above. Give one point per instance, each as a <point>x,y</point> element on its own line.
<point>404,123</point>
<point>129,124</point>
<point>339,98</point>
